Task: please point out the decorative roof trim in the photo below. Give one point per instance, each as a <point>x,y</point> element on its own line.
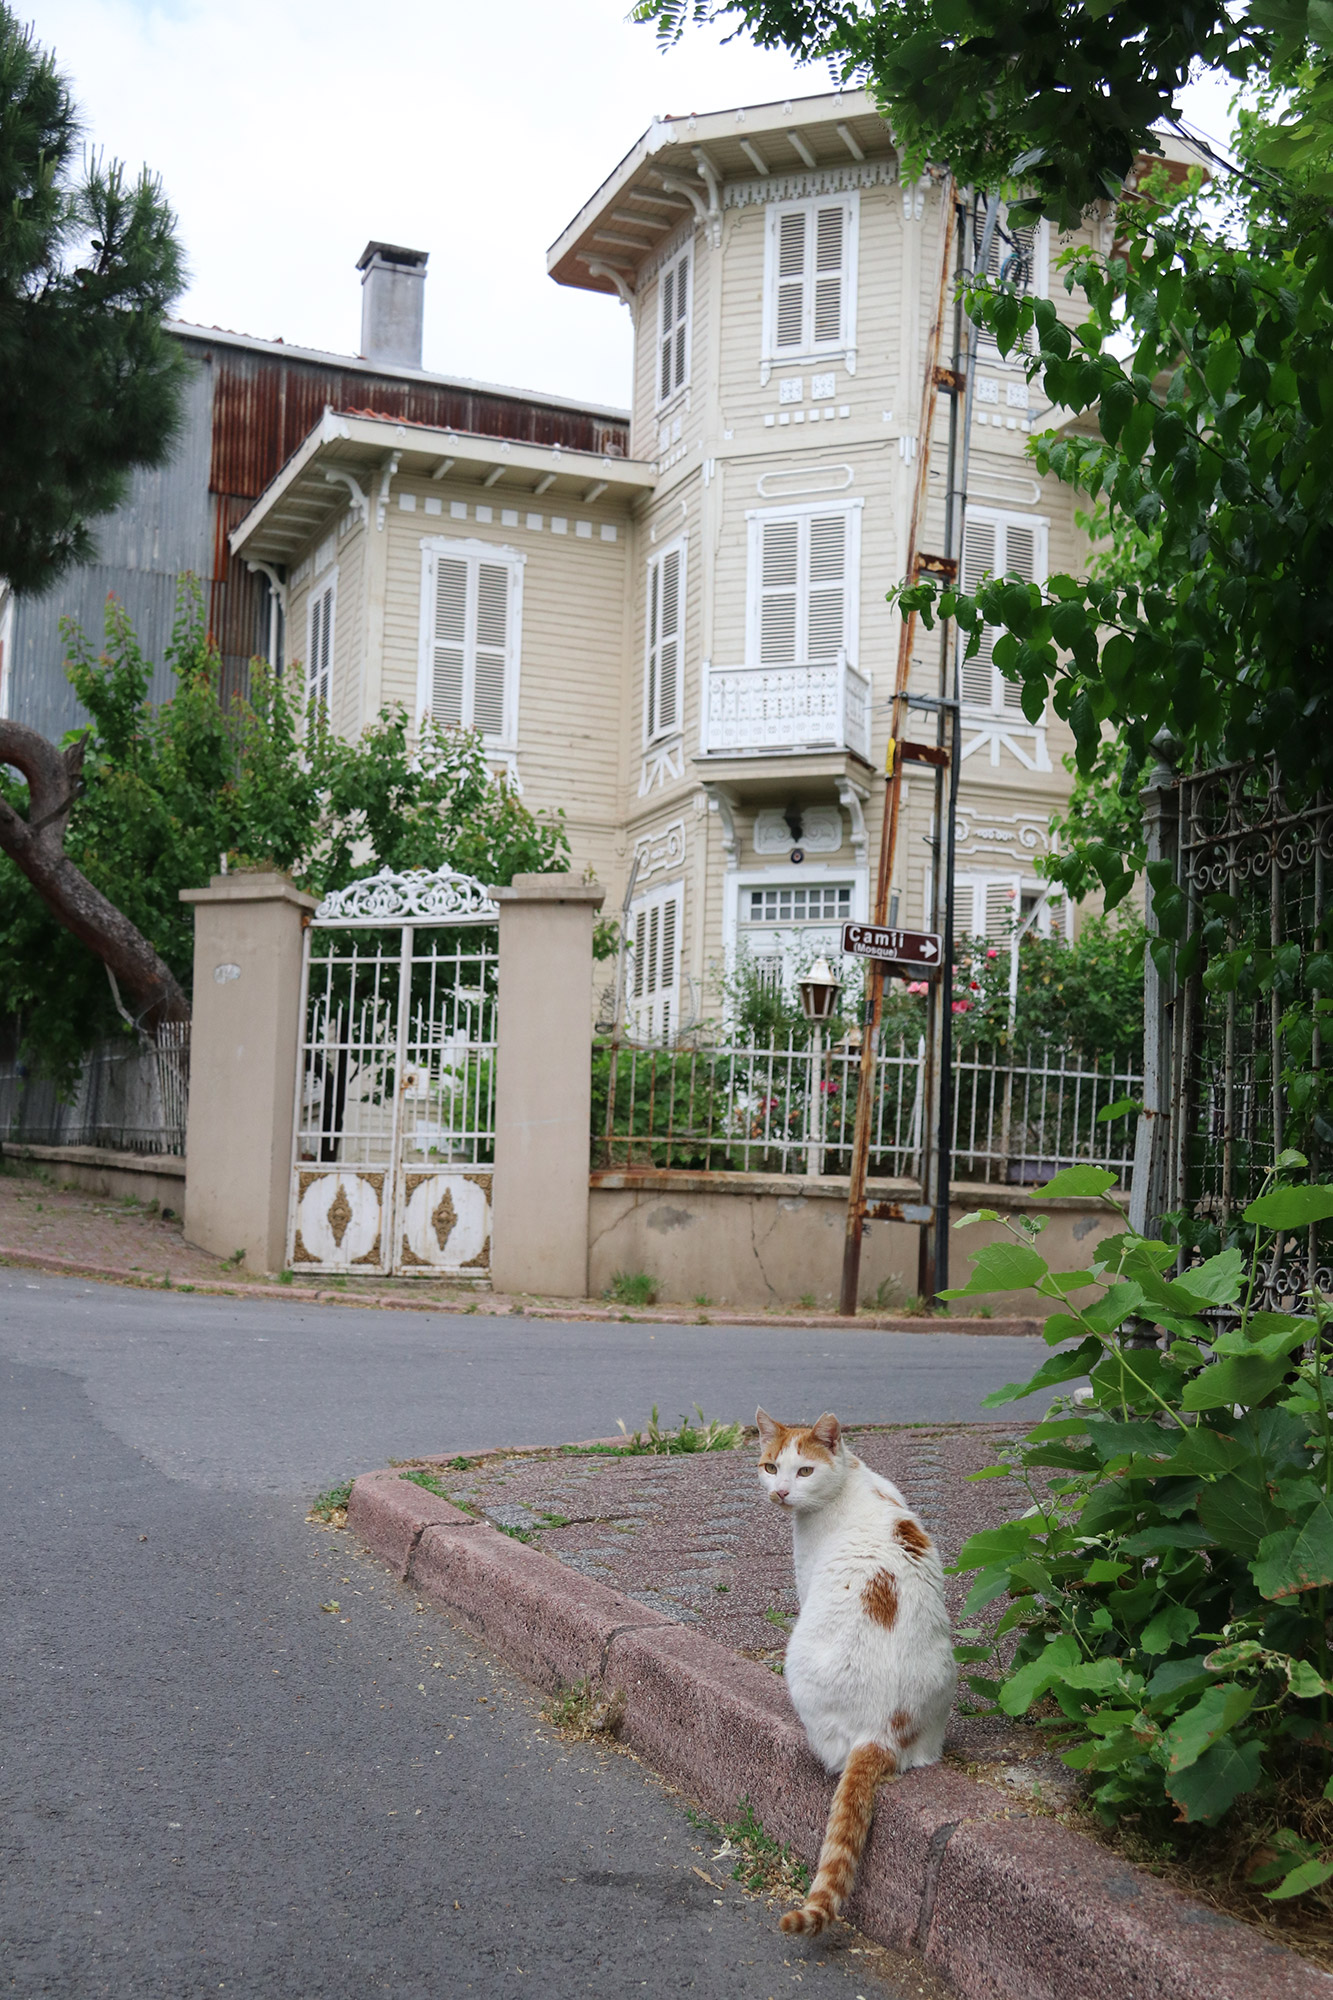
<point>417,896</point>
<point>823,180</point>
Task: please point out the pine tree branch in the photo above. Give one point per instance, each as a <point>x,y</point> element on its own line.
<point>37,846</point>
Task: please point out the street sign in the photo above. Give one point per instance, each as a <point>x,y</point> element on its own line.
<point>917,948</point>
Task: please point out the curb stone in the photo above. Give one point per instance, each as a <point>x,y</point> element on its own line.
<point>576,1309</point>
<point>1003,1906</point>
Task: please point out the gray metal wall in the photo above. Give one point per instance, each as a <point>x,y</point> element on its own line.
<point>164,528</point>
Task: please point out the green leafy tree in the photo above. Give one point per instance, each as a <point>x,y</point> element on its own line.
<point>89,266</point>
<point>163,792</point>
<point>1064,93</point>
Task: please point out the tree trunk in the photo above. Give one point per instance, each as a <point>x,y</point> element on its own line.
<point>37,844</point>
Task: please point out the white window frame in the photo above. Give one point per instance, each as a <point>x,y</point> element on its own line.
<point>757,518</point>
<point>654,1013</point>
<point>737,930</point>
<point>1002,519</point>
<point>325,586</point>
<point>658,726</point>
<point>473,551</point>
<point>844,347</point>
<point>683,254</point>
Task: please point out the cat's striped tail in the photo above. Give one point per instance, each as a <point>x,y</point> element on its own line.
<point>844,1838</point>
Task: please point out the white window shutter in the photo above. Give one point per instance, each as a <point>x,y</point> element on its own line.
<point>682,321</point>
<point>666,620</point>
<point>668,283</point>
<point>830,238</point>
<point>656,972</point>
<point>449,656</point>
<point>827,590</point>
<point>319,644</point>
<point>789,316</point>
<point>779,591</point>
<point>492,651</point>
<point>1020,558</point>
<point>979,562</point>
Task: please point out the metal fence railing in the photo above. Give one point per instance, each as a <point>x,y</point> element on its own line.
<point>129,1098</point>
<point>1017,1118</point>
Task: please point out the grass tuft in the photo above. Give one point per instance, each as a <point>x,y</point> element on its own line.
<point>583,1711</point>
<point>763,1865</point>
<point>331,1507</point>
<point>632,1288</point>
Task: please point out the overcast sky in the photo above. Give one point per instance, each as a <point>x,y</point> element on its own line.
<point>287,135</point>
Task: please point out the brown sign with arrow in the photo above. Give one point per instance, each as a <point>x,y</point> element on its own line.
<point>894,947</point>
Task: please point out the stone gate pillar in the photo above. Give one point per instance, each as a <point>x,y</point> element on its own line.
<point>543,1089</point>
<point>243,1040</point>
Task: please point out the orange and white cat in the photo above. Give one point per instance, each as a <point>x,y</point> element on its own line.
<point>869,1665</point>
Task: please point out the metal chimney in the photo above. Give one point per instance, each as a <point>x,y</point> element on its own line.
<point>393,289</point>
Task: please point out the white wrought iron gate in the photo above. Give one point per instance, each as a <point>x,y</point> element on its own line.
<point>395,1089</point>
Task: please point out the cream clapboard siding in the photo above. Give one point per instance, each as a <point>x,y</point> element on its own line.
<point>571,643</point>
<point>349,555</point>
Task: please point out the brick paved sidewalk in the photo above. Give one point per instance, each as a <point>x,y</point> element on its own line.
<point>692,1536</point>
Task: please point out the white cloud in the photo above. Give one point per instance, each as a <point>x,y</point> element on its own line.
<point>288,135</point>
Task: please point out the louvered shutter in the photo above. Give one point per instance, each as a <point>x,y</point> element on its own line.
<point>319,660</point>
<point>779,588</point>
<point>789,317</point>
<point>668,646</point>
<point>979,562</point>
<point>830,236</point>
<point>825,617</point>
<point>1020,558</point>
<point>656,964</point>
<point>673,332</point>
<point>1001,908</point>
<point>488,688</point>
<point>449,654</point>
<point>668,330</point>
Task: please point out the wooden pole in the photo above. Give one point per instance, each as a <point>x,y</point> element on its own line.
<point>888,845</point>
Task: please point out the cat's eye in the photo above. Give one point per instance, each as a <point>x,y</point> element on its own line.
<point>804,1471</point>
<point>768,1466</point>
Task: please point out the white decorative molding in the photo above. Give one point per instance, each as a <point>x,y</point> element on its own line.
<point>418,895</point>
<point>1006,835</point>
<point>391,465</point>
<point>797,479</point>
<point>821,830</point>
<point>335,476</point>
<point>750,709</point>
<point>598,268</point>
<point>662,763</point>
<point>1003,734</point>
<point>721,802</point>
<point>665,252</point>
<point>823,180</point>
<point>1006,487</point>
<point>914,198</point>
<point>853,798</point>
<point>661,850</point>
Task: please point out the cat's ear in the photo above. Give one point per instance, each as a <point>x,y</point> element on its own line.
<point>827,1431</point>
<point>768,1429</point>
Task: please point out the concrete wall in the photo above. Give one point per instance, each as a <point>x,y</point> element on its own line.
<point>145,1177</point>
<point>755,1240</point>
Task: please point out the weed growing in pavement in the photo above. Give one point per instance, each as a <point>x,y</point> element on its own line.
<point>702,1299</point>
<point>782,1619</point>
<point>514,1534</point>
<point>583,1711</point>
<point>632,1288</point>
<point>808,1300</point>
<point>460,1464</point>
<point>331,1507</point>
<point>762,1864</point>
<point>709,1434</point>
<point>430,1484</point>
<point>889,1294</point>
<point>285,1277</point>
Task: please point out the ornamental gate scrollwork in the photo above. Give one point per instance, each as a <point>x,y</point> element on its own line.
<point>394,1136</point>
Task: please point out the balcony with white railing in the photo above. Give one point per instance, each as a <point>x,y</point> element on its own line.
<point>754,711</point>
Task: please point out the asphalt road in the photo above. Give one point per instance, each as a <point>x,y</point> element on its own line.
<point>209,1784</point>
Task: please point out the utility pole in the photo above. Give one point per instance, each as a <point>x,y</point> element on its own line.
<point>898,752</point>
<point>957,381</point>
